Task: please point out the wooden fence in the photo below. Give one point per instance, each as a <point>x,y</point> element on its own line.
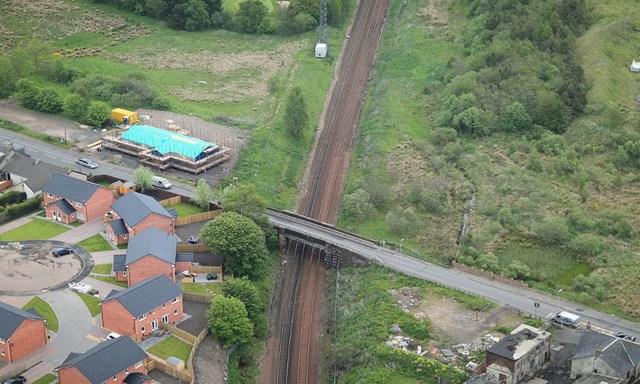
<point>196,344</point>
<point>182,247</point>
<point>204,269</point>
<point>197,217</point>
<point>197,298</point>
<point>185,376</point>
<point>179,333</point>
<point>171,201</point>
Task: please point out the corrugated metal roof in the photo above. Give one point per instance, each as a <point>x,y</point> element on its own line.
<point>165,141</point>
<point>146,295</point>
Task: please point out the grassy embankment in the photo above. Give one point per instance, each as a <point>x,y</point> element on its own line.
<point>45,311</point>
<point>531,186</point>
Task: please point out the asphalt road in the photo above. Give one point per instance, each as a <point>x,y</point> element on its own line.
<point>522,299</point>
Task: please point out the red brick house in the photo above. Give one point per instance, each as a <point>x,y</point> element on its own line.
<point>137,311</point>
<point>115,361</point>
<point>68,199</point>
<point>133,213</point>
<point>150,254</point>
<point>21,332</point>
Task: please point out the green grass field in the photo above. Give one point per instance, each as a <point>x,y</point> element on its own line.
<point>45,311</point>
<point>102,269</point>
<point>91,302</point>
<point>95,243</point>
<point>202,288</point>
<point>171,346</point>
<point>186,209</point>
<point>110,280</point>
<point>36,229</point>
<point>46,379</point>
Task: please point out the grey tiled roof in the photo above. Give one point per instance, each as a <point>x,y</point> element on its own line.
<point>118,263</point>
<point>620,355</point>
<point>107,359</point>
<point>11,318</point>
<point>64,206</point>
<point>186,256</point>
<point>137,378</point>
<point>134,207</point>
<point>118,227</point>
<point>173,212</point>
<point>146,295</point>
<point>35,171</point>
<point>70,188</point>
<point>152,242</point>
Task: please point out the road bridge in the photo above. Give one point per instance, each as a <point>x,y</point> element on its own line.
<point>343,244</point>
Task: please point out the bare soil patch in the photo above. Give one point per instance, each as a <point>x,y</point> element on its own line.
<point>34,268</point>
<point>435,13</point>
<point>450,320</point>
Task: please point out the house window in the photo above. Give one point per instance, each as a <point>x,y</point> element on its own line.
<point>2,352</point>
<point>139,364</point>
<point>165,318</point>
<point>175,299</point>
<point>115,377</point>
<point>124,236</point>
<point>164,305</point>
<point>80,215</point>
<point>49,195</point>
<point>142,329</point>
<point>153,312</point>
<point>126,371</point>
<point>175,311</point>
<point>142,317</point>
<point>1,340</point>
<point>124,273</point>
<point>78,204</point>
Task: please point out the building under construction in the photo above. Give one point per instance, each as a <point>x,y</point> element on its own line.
<point>164,149</point>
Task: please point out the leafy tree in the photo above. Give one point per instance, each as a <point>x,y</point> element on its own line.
<point>247,292</point>
<point>202,193</point>
<point>49,101</point>
<point>155,8</point>
<point>296,116</point>
<point>197,16</point>
<point>27,93</point>
<point>243,199</point>
<point>162,103</point>
<point>240,241</point>
<point>357,205</point>
<point>8,77</point>
<point>75,106</point>
<point>37,53</point>
<point>472,120</point>
<point>143,177</point>
<point>303,22</point>
<point>97,113</point>
<point>250,16</point>
<point>402,222</point>
<point>552,231</point>
<point>515,118</point>
<point>228,321</point>
<point>56,70</point>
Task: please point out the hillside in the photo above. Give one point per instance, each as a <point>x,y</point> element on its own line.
<point>525,117</point>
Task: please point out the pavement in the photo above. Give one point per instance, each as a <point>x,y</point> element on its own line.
<point>79,233</point>
<point>15,224</point>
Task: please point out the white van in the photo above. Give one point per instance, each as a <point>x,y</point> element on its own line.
<point>566,318</point>
<point>161,182</point>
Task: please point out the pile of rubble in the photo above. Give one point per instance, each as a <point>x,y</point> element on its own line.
<point>480,344</point>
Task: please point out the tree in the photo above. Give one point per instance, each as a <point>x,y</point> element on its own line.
<point>155,8</point>
<point>27,93</point>
<point>586,244</point>
<point>250,16</point>
<point>296,116</point>
<point>240,241</point>
<point>49,101</point>
<point>202,193</point>
<point>197,16</point>
<point>97,113</point>
<point>243,199</point>
<point>143,177</point>
<point>228,321</point>
<point>515,118</point>
<point>552,231</point>
<point>247,292</point>
<point>75,106</point>
<point>8,77</point>
<point>357,205</point>
<point>37,53</point>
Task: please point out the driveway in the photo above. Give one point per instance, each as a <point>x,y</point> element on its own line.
<point>77,234</point>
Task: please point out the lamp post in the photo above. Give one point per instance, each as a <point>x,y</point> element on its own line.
<point>401,242</point>
<point>558,297</point>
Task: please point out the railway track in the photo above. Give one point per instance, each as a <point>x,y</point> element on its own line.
<point>297,355</point>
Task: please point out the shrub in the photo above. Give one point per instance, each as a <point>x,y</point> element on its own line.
<point>162,103</point>
<point>27,93</point>
<point>21,209</point>
<point>49,101</point>
<point>12,197</point>
<point>358,206</point>
<point>402,222</point>
<point>552,231</point>
<point>75,106</point>
<point>443,136</point>
<point>586,244</point>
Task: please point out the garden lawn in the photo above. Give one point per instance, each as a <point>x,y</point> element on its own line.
<point>110,280</point>
<point>102,269</point>
<point>45,311</point>
<point>36,229</point>
<point>46,379</point>
<point>171,346</point>
<point>202,288</point>
<point>91,302</point>
<point>186,209</point>
<point>95,243</point>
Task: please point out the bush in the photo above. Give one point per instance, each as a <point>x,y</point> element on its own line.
<point>49,101</point>
<point>586,244</point>
<point>357,205</point>
<point>21,209</point>
<point>402,222</point>
<point>552,231</point>
<point>162,103</point>
<point>75,106</point>
<point>27,94</point>
<point>12,197</point>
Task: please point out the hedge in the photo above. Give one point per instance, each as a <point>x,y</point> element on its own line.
<point>12,197</point>
<point>21,209</point>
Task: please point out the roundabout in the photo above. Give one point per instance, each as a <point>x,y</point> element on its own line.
<point>29,268</point>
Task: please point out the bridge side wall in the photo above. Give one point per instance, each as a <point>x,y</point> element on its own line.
<point>335,256</point>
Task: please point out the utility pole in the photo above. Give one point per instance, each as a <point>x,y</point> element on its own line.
<point>323,31</point>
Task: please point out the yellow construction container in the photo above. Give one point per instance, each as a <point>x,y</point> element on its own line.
<point>124,116</point>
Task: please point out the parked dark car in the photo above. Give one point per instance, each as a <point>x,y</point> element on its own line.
<point>85,162</point>
<point>61,251</point>
<point>16,380</point>
<point>625,335</point>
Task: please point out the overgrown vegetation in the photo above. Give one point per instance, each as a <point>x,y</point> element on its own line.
<point>356,342</point>
<point>506,112</point>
